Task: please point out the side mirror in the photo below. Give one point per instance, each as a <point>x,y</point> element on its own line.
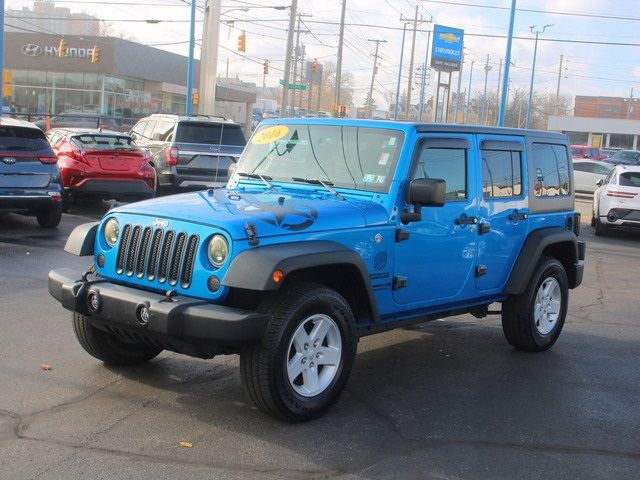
<point>424,192</point>
<point>427,192</point>
<point>600,182</point>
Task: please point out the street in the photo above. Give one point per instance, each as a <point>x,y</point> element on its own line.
<point>448,399</point>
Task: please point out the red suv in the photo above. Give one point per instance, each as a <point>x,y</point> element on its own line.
<point>584,151</point>
<point>102,164</point>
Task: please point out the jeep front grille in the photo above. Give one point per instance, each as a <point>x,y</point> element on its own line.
<point>156,254</point>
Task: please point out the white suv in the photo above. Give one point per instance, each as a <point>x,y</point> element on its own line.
<point>616,202</point>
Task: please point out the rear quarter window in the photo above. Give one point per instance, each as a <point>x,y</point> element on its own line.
<point>629,179</point>
<point>14,138</point>
<point>551,169</point>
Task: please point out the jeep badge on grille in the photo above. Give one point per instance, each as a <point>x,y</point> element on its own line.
<point>160,223</point>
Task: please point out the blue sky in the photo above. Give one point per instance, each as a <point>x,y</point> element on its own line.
<point>589,69</point>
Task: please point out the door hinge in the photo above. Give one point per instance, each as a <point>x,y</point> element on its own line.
<point>481,270</point>
<point>402,235</point>
<point>399,282</point>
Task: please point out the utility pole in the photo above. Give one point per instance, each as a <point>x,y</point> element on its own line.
<point>296,56</point>
<point>629,106</point>
<point>192,40</point>
<point>209,58</point>
<point>397,104</point>
<point>424,76</point>
<point>485,102</point>
<point>466,110</point>
<point>498,92</point>
<point>455,111</point>
<point>1,55</point>
<point>533,73</point>
<point>339,63</point>
<point>555,110</point>
<point>284,106</point>
<point>502,109</point>
<point>415,20</point>
<point>373,75</point>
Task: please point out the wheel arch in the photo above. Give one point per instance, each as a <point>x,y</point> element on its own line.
<point>555,242</point>
<point>324,262</point>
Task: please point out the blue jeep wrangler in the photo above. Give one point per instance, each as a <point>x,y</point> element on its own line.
<point>330,230</point>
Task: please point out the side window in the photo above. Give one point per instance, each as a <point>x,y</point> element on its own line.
<point>138,129</point>
<point>581,167</point>
<point>501,174</point>
<point>163,131</point>
<point>551,167</point>
<point>450,164</point>
<point>148,130</point>
<point>601,169</point>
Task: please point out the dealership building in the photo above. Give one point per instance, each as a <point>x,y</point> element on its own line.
<point>104,75</point>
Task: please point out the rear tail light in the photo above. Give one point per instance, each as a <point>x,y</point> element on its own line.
<point>172,156</point>
<point>618,194</point>
<point>48,159</point>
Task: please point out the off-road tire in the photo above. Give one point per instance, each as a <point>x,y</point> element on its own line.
<point>50,218</point>
<point>518,321</point>
<point>109,348</point>
<point>263,365</point>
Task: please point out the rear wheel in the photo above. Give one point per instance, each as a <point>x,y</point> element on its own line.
<point>50,218</point>
<point>301,365</point>
<point>602,230</point>
<point>109,348</point>
<point>533,320</point>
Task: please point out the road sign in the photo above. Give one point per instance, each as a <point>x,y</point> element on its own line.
<point>446,51</point>
<point>294,86</point>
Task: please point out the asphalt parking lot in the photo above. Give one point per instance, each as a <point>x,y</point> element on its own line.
<point>446,400</point>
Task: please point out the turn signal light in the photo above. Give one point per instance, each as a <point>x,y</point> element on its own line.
<point>277,276</point>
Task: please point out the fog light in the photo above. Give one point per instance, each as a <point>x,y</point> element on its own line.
<point>94,302</point>
<point>213,283</point>
<point>100,260</point>
<point>143,314</point>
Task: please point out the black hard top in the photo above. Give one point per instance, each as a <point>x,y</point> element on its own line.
<point>456,128</point>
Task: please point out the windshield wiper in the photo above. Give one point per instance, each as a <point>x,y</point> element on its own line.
<point>265,178</point>
<point>315,181</point>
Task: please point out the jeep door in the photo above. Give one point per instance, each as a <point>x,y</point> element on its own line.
<point>435,262</point>
<point>503,212</point>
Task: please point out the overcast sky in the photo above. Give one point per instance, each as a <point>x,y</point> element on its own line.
<point>591,69</point>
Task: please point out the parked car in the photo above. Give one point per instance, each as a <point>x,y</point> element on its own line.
<point>329,231</point>
<point>190,151</point>
<point>586,173</point>
<point>79,119</point>
<point>609,151</point>
<point>616,202</point>
<point>323,114</point>
<point>102,164</point>
<point>584,151</point>
<point>269,114</point>
<point>624,157</point>
<point>29,177</point>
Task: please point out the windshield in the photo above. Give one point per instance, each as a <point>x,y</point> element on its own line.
<point>104,142</point>
<point>630,157</point>
<point>350,157</point>
<point>210,133</point>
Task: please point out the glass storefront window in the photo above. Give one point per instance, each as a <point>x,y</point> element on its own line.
<point>73,80</point>
<point>37,78</point>
<point>92,81</point>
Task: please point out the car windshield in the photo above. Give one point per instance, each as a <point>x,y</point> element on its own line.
<point>625,157</point>
<point>210,133</point>
<point>104,142</point>
<point>350,157</point>
<point>629,179</point>
<point>21,138</point>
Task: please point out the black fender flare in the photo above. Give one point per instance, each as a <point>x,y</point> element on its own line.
<point>533,248</point>
<point>82,239</point>
<point>253,268</point>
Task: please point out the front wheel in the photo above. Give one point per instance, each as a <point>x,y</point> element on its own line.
<point>301,365</point>
<point>533,320</point>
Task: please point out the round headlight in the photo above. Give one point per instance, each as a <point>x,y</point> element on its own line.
<point>111,231</point>
<point>217,250</point>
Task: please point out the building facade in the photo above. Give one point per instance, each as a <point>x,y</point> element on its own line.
<point>598,132</point>
<point>607,107</point>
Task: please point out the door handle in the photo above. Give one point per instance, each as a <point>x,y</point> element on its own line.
<point>466,221</point>
<point>518,216</point>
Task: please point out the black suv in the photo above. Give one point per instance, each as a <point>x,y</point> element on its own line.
<point>29,176</point>
<point>190,151</point>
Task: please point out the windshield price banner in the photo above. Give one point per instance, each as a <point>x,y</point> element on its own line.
<point>446,49</point>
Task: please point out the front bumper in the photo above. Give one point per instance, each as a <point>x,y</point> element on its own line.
<point>186,325</point>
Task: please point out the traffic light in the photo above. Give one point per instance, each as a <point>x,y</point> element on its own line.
<point>95,55</point>
<point>242,42</point>
<point>265,67</point>
<point>62,48</point>
<point>314,65</point>
<point>195,98</point>
<point>342,111</point>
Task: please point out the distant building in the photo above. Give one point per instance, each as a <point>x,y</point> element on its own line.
<point>607,107</point>
<point>47,18</point>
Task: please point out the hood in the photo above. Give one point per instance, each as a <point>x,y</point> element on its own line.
<point>272,213</point>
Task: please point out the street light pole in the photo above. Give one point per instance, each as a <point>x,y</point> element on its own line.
<point>533,72</point>
<point>485,103</point>
<point>284,105</point>
<point>339,63</point>
<point>395,108</point>
<point>455,111</point>
<point>373,76</point>
<point>209,58</point>
<point>502,109</point>
<point>192,41</point>
<point>466,109</point>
